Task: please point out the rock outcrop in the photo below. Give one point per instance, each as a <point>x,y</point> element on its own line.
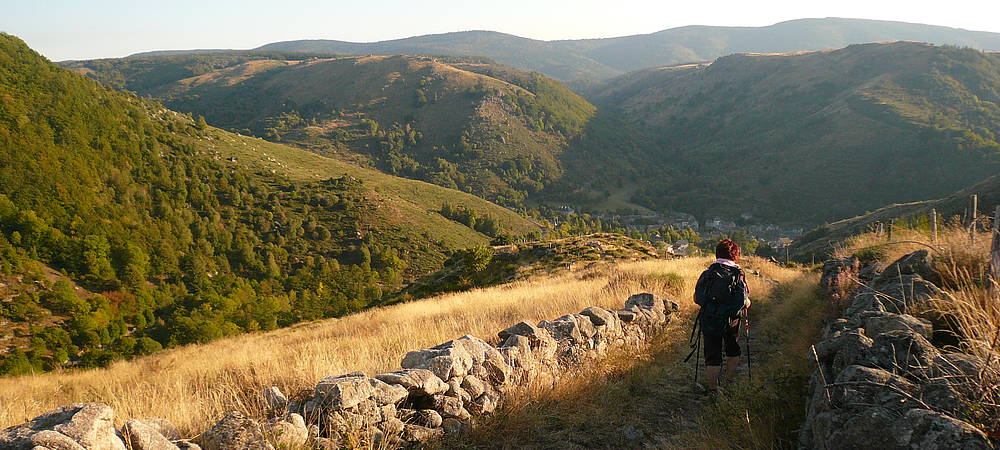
<point>880,382</point>
<point>437,392</point>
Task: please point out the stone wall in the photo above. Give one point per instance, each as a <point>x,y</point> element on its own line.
<point>880,382</point>
<point>438,391</point>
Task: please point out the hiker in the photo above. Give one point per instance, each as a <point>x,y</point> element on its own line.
<point>722,294</point>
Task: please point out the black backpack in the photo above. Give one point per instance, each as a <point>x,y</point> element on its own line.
<point>716,285</point>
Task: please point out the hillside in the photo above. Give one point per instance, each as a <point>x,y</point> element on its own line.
<point>456,122</point>
<point>594,59</point>
<point>778,135</point>
<point>186,233</point>
<point>825,239</point>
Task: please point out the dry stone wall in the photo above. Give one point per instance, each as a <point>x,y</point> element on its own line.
<point>880,382</point>
<point>437,391</point>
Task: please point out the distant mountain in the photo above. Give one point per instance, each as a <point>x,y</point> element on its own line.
<point>811,137</point>
<point>187,232</point>
<point>605,58</point>
<point>463,123</point>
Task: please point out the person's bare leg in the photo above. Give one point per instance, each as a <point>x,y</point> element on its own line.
<point>712,373</point>
<point>731,365</point>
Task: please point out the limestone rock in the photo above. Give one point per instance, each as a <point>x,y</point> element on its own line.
<point>387,394</point>
<point>417,433</point>
<point>345,391</point>
<point>184,444</point>
<point>455,426</point>
<point>450,407</point>
<point>902,351</point>
<point>275,399</point>
<point>919,263</point>
<point>453,358</point>
<point>420,381</point>
<point>932,430</point>
<point>162,426</point>
<point>235,431</point>
<point>876,323</point>
<point>87,425</point>
<point>139,436</point>
<point>290,432</point>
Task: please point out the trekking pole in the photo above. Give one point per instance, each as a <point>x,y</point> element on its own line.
<point>695,347</point>
<point>746,313</point>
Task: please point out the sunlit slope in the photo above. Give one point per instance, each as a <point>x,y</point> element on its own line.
<point>463,123</point>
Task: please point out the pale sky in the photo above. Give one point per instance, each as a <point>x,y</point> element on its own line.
<point>64,29</point>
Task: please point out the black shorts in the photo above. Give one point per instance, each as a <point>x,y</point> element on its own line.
<point>714,346</point>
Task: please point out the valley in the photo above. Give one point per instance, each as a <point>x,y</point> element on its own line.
<point>477,240</point>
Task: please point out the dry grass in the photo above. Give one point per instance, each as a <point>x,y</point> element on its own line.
<point>196,385</point>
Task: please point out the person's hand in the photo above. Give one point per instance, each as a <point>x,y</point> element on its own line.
<point>746,303</point>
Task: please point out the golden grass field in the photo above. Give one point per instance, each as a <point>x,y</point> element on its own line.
<point>196,385</point>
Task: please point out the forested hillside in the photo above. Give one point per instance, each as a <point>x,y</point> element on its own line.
<point>596,59</point>
<point>810,137</point>
<point>177,232</point>
<point>456,122</point>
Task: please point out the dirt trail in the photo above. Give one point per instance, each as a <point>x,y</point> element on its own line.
<point>648,401</point>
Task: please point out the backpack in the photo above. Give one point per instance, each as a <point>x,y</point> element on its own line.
<point>715,287</point>
<point>715,284</point>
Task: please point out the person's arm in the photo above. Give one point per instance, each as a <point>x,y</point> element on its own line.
<point>699,287</point>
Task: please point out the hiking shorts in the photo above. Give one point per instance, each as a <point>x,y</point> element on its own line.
<point>714,345</point>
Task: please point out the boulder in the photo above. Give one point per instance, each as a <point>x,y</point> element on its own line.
<point>902,351</point>
<point>485,404</point>
<point>235,431</point>
<point>455,390</point>
<point>425,417</point>
<point>626,316</point>
<point>455,426</point>
<point>925,429</point>
<point>416,381</point>
<point>162,426</point>
<point>600,316</point>
<point>646,301</point>
<point>86,425</point>
<point>450,407</point>
<point>474,386</point>
<point>521,329</point>
<point>185,444</point>
<point>387,394</point>
<point>907,294</point>
<point>417,433</point>
<point>344,391</point>
<point>876,323</point>
<point>859,386</point>
<point>920,262</point>
<point>851,429</point>
<point>139,436</point>
<point>275,399</point>
<point>453,358</point>
<point>289,432</point>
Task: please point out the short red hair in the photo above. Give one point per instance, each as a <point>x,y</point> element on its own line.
<point>727,249</point>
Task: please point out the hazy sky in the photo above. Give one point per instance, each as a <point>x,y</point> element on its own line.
<point>63,29</point>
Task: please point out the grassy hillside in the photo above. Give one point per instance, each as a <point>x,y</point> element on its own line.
<point>186,233</point>
<point>456,122</point>
<point>779,135</point>
<point>605,58</point>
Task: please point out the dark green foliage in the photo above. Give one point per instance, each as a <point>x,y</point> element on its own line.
<point>777,135</point>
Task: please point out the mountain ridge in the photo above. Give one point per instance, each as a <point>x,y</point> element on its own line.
<point>603,58</point>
